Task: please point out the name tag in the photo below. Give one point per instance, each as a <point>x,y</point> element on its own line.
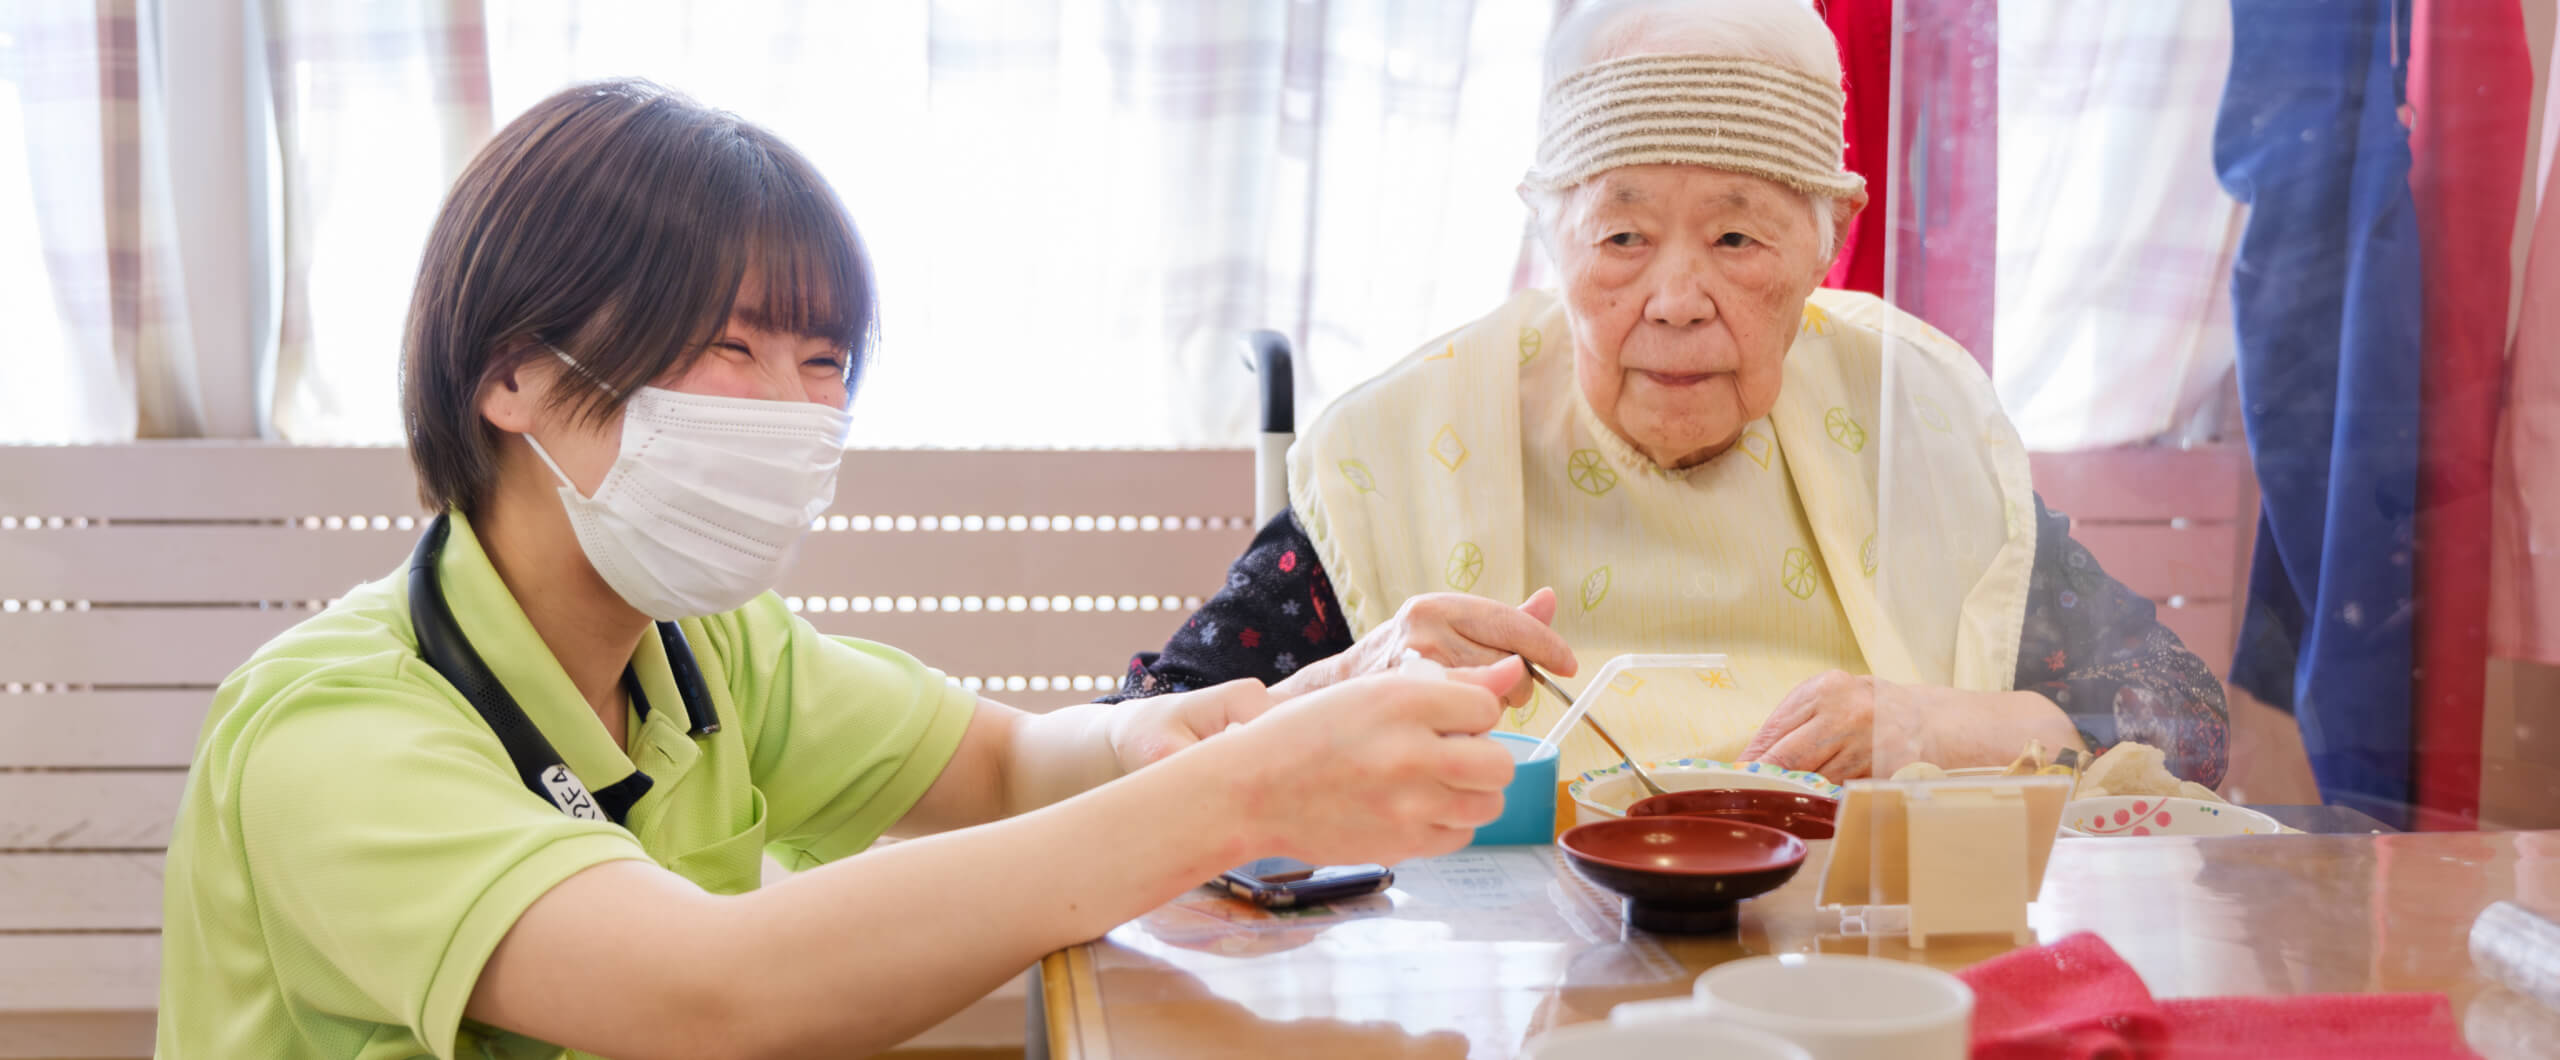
<point>569,795</point>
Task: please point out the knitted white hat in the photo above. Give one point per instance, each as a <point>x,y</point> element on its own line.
<point>1735,114</point>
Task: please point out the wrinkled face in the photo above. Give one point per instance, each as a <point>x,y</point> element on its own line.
<point>1684,287</point>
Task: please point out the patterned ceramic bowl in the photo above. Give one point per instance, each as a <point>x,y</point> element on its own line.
<point>2123,815</point>
<point>1602,794</point>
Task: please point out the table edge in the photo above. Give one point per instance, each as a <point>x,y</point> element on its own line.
<point>1072,1005</point>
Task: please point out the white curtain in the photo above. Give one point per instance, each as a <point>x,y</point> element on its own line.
<point>2116,242</point>
<point>376,107</point>
<point>99,347</point>
<point>1069,202</point>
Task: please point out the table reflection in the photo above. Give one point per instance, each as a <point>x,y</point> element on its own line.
<point>1474,953</point>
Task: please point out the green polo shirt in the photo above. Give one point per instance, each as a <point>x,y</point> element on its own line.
<point>354,841</point>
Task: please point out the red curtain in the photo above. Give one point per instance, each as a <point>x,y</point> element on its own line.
<point>2470,97</point>
<point>1931,158</point>
<point>1864,29</point>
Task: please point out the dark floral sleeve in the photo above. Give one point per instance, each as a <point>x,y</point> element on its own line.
<point>1276,614</point>
<point>2098,650</point>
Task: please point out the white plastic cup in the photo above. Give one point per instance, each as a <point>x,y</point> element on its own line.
<point>1660,1041</point>
<point>1840,1007</point>
<point>1656,1011</point>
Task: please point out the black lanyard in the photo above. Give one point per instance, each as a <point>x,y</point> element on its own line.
<point>442,644</point>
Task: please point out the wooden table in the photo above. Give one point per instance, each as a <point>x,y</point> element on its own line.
<point>1472,953</point>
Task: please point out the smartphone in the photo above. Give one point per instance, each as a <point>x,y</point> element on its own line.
<point>1287,883</point>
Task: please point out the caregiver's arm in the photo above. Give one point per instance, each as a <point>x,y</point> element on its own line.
<point>1012,761</point>
<point>629,960</point>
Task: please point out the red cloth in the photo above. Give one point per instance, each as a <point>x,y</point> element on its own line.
<point>2073,999</point>
<point>2470,97</point>
<point>1864,29</point>
<point>2316,1027</point>
<point>2076,1000</point>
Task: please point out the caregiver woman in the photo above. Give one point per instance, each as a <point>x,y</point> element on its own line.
<point>513,797</point>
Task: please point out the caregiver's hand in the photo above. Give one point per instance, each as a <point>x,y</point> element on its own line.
<point>1844,726</point>
<point>1365,771</point>
<point>1454,630</point>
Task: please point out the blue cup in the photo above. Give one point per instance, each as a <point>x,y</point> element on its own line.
<point>1529,803</point>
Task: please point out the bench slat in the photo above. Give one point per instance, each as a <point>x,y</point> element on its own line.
<point>235,563</point>
<point>2144,483</point>
<point>49,1035</point>
<point>80,892</point>
<point>156,646</point>
<point>77,973</point>
<point>72,810</point>
<point>2160,561</point>
<point>255,480</point>
<point>74,729</point>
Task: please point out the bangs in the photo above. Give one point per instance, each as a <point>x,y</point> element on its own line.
<point>812,277</point>
<point>685,219</point>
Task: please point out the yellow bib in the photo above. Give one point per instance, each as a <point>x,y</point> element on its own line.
<point>1473,465</point>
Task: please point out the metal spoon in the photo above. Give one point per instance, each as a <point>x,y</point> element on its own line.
<point>1587,719</point>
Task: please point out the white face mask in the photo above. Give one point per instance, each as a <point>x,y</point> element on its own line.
<point>708,499</point>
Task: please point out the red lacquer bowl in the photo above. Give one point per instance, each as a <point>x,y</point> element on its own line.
<point>1683,875</point>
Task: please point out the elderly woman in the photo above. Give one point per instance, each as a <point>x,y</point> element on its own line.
<point>1691,440</point>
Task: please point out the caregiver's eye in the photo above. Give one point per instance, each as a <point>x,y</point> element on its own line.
<point>1736,240</point>
<point>1624,240</point>
<point>830,364</point>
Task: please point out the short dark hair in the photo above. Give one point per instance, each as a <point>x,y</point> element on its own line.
<point>617,221</point>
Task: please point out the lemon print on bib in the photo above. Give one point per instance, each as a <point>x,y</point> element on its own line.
<point>1530,341</point>
<point>1466,564</point>
<point>1796,574</point>
<point>1590,472</point>
<point>1844,429</point>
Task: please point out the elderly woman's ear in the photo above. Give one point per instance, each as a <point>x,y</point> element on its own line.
<point>1846,209</point>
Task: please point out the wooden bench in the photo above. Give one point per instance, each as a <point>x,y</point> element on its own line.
<point>133,578</point>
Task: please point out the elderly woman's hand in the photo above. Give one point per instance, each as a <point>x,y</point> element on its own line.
<point>1454,630</point>
<point>1845,726</point>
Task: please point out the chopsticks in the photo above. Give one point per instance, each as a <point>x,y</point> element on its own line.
<point>1641,777</point>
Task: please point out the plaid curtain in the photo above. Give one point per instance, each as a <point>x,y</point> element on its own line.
<point>102,350</point>
<point>1070,203</point>
<point>377,106</point>
<point>2115,241</point>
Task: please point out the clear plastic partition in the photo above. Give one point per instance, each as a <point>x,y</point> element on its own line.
<point>2211,463</point>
